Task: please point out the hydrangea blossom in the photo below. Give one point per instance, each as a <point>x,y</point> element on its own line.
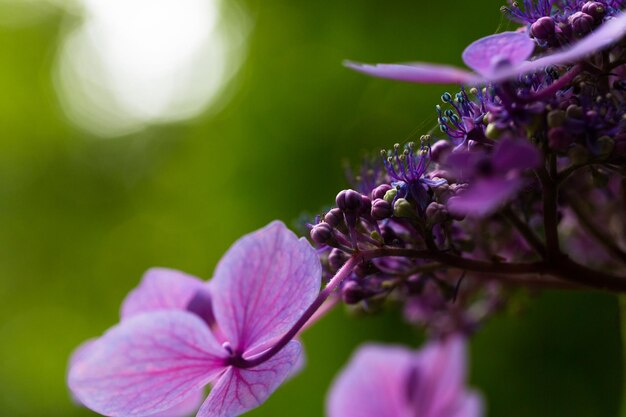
<point>498,57</point>
<point>493,178</point>
<point>393,381</point>
<point>179,334</point>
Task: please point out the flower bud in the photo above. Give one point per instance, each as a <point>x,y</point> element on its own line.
<point>333,217</point>
<point>352,293</point>
<point>381,209</point>
<point>390,195</point>
<point>440,150</point>
<point>492,131</point>
<point>556,118</point>
<point>366,205</point>
<point>348,200</point>
<point>543,28</point>
<point>321,233</point>
<point>402,208</point>
<point>336,259</point>
<point>594,9</point>
<point>379,192</point>
<point>436,213</point>
<point>574,112</point>
<point>581,23</point>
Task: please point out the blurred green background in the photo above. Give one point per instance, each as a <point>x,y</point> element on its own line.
<point>82,217</point>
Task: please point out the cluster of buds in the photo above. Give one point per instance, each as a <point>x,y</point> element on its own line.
<point>489,203</point>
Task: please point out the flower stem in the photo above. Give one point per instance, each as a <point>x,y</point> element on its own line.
<point>343,272</point>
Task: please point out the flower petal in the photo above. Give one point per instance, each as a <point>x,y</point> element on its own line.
<point>607,34</point>
<point>188,407</point>
<point>470,405</point>
<point>147,364</point>
<point>263,284</point>
<point>484,196</point>
<point>160,289</point>
<point>507,48</point>
<point>373,384</point>
<point>442,367</point>
<point>419,72</point>
<point>512,154</point>
<point>240,390</point>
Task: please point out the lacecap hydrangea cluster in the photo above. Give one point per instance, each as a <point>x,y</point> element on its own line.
<point>521,185</point>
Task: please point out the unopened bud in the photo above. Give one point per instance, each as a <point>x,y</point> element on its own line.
<point>352,293</point>
<point>333,217</point>
<point>543,28</point>
<point>379,192</point>
<point>402,208</point>
<point>492,131</point>
<point>581,23</point>
<point>390,195</point>
<point>321,233</point>
<point>348,200</point>
<point>440,150</point>
<point>381,209</point>
<point>336,259</point>
<point>556,118</point>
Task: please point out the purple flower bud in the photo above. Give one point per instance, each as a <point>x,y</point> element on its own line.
<point>559,139</point>
<point>594,9</point>
<point>333,217</point>
<point>336,259</point>
<point>543,28</point>
<point>581,23</point>
<point>436,213</point>
<point>379,192</point>
<point>322,233</point>
<point>348,200</point>
<point>381,209</point>
<point>366,205</point>
<point>352,293</point>
<point>439,150</point>
<point>402,208</point>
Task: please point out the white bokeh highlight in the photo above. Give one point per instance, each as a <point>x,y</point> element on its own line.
<point>129,64</point>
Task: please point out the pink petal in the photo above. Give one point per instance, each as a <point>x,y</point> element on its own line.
<point>606,35</point>
<point>512,154</point>
<point>240,390</point>
<point>484,196</point>
<point>419,72</point>
<point>147,364</point>
<point>187,408</point>
<point>442,373</point>
<point>470,405</point>
<point>507,48</point>
<point>81,352</point>
<point>160,289</point>
<point>373,384</point>
<point>263,284</point>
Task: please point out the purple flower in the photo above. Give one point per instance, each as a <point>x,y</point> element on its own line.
<point>392,381</point>
<point>493,178</point>
<point>499,57</point>
<point>178,334</point>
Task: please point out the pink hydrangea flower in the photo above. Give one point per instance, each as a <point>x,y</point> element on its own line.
<point>178,334</point>
<point>392,381</point>
<point>498,57</point>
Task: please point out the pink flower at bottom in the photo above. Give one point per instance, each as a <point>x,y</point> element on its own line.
<point>178,334</point>
<point>392,381</point>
